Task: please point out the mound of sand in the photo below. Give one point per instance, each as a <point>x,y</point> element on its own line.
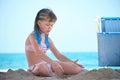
<point>100,74</point>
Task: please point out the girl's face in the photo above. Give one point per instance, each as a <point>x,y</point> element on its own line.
<point>45,26</point>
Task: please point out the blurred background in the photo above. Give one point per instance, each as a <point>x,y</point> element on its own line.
<point>74,31</point>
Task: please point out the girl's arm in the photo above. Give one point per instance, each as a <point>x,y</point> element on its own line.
<point>58,55</point>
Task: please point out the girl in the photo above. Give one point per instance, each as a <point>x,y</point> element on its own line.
<point>38,43</point>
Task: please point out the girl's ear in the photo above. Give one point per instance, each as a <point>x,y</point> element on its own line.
<point>39,22</point>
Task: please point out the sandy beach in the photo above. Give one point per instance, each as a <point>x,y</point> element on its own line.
<point>94,74</point>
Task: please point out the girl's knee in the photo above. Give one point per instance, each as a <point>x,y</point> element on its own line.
<point>45,70</point>
<point>71,68</point>
<point>77,70</point>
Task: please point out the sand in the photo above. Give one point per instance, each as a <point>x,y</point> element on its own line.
<point>94,74</point>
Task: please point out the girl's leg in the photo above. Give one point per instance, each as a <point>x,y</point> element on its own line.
<point>43,69</point>
<point>70,68</point>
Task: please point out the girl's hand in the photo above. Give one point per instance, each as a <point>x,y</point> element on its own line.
<point>78,64</point>
<point>57,68</point>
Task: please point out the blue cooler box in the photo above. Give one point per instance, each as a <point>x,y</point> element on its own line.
<point>109,42</point>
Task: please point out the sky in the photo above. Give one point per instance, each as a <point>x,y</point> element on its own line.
<point>74,31</point>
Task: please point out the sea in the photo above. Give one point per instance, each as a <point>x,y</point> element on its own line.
<point>17,61</point>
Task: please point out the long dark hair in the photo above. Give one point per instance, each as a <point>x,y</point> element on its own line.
<point>42,15</point>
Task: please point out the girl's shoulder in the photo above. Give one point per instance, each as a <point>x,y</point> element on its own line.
<point>30,36</point>
<point>50,40</point>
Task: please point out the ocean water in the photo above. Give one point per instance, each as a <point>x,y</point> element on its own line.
<point>18,60</point>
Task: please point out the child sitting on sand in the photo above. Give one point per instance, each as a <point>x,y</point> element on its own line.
<point>38,43</point>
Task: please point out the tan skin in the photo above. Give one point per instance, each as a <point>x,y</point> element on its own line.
<point>63,66</point>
